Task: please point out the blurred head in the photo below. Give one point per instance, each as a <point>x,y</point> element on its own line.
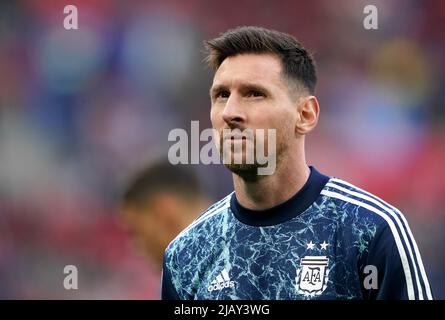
<point>263,79</point>
<point>158,203</point>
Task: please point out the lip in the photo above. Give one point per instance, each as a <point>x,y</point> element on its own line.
<point>236,139</point>
<point>235,136</point>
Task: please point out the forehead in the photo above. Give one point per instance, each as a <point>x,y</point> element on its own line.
<point>264,68</point>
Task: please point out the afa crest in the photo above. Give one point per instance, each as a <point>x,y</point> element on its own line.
<point>312,275</point>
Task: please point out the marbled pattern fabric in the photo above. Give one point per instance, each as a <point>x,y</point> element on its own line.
<point>267,262</point>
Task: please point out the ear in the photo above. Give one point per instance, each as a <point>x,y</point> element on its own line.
<point>308,112</point>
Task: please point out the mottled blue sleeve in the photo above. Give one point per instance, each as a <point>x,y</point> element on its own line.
<point>396,262</point>
<point>168,290</point>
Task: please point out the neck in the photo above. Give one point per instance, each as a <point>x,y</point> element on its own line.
<point>289,177</point>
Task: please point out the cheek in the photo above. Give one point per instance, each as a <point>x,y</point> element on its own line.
<point>216,118</point>
<point>284,123</point>
<point>277,119</point>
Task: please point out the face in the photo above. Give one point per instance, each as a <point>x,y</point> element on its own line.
<point>143,230</point>
<point>153,225</point>
<point>249,92</point>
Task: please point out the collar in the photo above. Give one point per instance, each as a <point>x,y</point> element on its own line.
<point>285,211</point>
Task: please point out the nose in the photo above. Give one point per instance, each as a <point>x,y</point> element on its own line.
<point>233,112</point>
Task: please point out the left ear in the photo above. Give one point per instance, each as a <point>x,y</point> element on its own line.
<point>308,112</point>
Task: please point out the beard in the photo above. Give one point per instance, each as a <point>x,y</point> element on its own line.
<point>245,171</point>
<point>243,160</point>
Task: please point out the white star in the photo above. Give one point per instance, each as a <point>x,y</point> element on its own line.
<point>310,245</point>
<point>324,245</point>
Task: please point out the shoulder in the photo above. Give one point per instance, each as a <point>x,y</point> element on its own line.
<point>393,248</point>
<point>354,200</point>
<point>192,231</point>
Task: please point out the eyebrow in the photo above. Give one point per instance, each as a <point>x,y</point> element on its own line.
<point>243,87</point>
<point>217,88</point>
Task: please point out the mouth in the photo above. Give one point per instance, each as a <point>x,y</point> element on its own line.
<point>236,136</point>
<point>235,139</point>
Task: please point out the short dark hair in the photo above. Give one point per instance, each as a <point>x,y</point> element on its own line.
<point>297,63</point>
<point>157,178</point>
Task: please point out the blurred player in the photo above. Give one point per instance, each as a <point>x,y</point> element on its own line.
<point>295,233</point>
<point>157,204</point>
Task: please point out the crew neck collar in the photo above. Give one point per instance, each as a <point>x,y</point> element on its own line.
<point>285,211</point>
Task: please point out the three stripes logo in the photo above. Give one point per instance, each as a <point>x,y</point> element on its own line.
<point>222,281</point>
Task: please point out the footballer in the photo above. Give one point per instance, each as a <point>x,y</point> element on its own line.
<point>296,233</point>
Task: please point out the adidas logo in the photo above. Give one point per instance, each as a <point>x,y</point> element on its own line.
<point>222,281</point>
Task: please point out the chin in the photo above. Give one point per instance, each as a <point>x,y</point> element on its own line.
<point>245,171</point>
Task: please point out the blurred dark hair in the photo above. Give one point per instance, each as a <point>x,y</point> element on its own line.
<point>297,63</point>
<point>159,178</point>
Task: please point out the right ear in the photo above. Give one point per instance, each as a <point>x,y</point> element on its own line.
<point>308,113</point>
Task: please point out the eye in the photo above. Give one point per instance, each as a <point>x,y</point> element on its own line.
<point>222,94</point>
<point>255,94</point>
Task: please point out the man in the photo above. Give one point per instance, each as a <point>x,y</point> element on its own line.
<point>295,233</point>
<point>157,204</point>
